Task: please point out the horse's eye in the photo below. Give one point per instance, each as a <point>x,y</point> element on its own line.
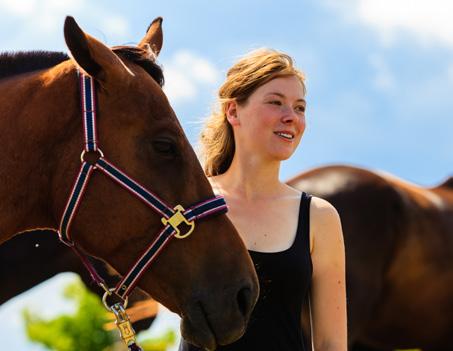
<point>164,146</point>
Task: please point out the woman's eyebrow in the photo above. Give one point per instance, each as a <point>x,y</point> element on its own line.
<point>283,96</point>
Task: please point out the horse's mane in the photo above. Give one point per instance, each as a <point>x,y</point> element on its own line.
<point>15,63</point>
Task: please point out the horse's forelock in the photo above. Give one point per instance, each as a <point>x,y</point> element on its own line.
<point>144,57</point>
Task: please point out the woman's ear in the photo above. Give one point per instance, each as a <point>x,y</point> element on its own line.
<point>231,112</point>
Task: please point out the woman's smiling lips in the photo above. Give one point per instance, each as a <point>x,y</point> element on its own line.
<point>286,135</point>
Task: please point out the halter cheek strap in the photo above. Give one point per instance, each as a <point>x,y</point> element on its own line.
<point>93,159</point>
<point>170,217</point>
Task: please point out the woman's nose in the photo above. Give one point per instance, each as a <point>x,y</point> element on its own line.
<point>289,115</point>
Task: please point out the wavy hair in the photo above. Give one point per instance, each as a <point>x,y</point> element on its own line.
<point>217,145</point>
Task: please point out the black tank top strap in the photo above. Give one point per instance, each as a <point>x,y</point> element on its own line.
<point>302,239</point>
<point>306,215</point>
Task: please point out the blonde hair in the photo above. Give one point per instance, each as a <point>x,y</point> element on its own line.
<point>253,70</point>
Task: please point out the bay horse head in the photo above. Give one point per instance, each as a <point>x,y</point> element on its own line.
<point>207,277</point>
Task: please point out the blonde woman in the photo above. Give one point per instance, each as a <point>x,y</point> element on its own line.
<point>295,240</point>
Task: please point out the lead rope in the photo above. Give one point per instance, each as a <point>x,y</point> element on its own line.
<point>171,217</point>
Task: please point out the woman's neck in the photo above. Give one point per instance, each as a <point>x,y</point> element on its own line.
<point>250,178</point>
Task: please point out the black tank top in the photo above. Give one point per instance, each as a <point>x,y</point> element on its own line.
<point>284,276</point>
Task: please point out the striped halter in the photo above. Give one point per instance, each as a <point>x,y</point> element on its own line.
<point>171,217</point>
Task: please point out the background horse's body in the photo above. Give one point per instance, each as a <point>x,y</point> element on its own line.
<point>399,251</point>
<point>43,135</point>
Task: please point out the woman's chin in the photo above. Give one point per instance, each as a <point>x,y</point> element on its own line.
<point>283,156</point>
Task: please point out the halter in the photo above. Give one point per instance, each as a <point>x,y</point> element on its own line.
<point>171,217</point>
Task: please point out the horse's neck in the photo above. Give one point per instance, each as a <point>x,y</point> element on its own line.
<point>35,115</point>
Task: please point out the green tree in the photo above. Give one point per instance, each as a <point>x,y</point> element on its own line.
<point>81,331</point>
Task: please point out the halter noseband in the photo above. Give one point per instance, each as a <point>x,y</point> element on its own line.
<point>171,217</point>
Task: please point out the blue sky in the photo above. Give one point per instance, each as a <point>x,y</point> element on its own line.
<point>379,73</point>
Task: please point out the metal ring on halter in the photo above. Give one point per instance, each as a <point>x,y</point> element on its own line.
<point>108,293</point>
<point>84,152</point>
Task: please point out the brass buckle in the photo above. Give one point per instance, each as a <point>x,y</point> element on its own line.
<point>176,220</point>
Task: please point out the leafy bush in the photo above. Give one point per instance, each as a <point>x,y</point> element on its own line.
<point>84,330</point>
<point>81,331</point>
<point>159,343</point>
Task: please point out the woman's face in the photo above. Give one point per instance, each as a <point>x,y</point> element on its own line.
<point>271,122</point>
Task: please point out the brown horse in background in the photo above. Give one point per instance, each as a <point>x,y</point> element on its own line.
<point>31,258</point>
<point>208,278</point>
<point>399,256</point>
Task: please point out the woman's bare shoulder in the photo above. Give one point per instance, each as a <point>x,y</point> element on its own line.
<point>325,223</point>
<point>321,207</point>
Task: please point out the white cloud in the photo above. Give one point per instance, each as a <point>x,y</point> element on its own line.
<point>425,20</point>
<point>185,72</point>
<point>61,6</point>
<point>196,67</point>
<point>116,26</point>
<point>44,15</point>
<point>22,8</point>
<point>177,85</point>
<point>42,20</point>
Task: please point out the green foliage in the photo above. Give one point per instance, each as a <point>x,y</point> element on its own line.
<point>81,331</point>
<point>84,330</point>
<point>159,343</point>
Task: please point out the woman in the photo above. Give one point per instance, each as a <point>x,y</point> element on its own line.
<point>295,240</point>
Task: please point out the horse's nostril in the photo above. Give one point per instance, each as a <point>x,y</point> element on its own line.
<point>244,298</point>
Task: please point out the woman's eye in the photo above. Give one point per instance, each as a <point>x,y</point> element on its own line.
<point>300,109</point>
<point>166,147</point>
<point>275,102</point>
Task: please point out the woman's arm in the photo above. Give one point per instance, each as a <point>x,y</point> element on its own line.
<point>328,289</point>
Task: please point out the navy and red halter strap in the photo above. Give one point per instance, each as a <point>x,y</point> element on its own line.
<point>171,217</point>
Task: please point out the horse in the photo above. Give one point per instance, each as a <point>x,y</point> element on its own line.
<point>208,278</point>
<point>38,255</point>
<point>399,250</point>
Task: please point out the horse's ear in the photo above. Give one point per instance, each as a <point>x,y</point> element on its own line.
<point>153,36</point>
<point>91,55</point>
